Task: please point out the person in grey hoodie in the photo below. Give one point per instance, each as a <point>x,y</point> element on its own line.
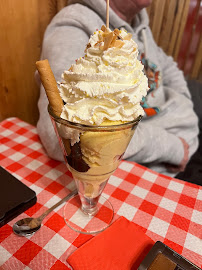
<point>166,137</point>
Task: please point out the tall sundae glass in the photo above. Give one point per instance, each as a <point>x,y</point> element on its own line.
<point>91,161</point>
<point>95,111</point>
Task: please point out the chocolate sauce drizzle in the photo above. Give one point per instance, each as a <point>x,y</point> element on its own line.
<point>75,159</point>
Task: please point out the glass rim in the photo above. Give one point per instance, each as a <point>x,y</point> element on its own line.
<point>93,127</point>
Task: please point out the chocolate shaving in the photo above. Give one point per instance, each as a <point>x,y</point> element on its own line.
<point>117,33</point>
<point>105,29</point>
<point>118,44</point>
<point>107,40</point>
<point>113,41</point>
<point>97,43</point>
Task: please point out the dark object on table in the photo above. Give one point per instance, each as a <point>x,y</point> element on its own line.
<point>15,197</point>
<point>193,171</point>
<point>161,257</point>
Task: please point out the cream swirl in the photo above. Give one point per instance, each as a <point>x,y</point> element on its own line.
<point>108,83</point>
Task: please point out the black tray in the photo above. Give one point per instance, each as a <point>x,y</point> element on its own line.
<point>169,256</point>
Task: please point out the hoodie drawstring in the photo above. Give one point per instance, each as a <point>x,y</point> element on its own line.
<point>144,42</point>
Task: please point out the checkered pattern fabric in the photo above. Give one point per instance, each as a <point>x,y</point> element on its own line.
<point>165,208</point>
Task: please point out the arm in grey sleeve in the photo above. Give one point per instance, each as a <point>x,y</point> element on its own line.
<point>186,120</point>
<point>157,139</point>
<point>154,144</point>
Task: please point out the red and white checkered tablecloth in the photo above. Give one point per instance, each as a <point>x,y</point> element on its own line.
<point>166,209</point>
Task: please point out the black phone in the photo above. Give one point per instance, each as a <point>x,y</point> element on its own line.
<point>15,197</point>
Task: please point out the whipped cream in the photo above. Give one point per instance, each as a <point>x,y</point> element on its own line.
<point>69,133</point>
<point>108,83</point>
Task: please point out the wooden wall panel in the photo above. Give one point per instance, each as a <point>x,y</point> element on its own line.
<point>22,26</point>
<point>197,65</point>
<point>156,17</point>
<point>167,25</point>
<point>167,22</point>
<point>19,47</point>
<point>177,29</point>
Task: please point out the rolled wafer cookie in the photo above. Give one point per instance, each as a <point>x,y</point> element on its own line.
<point>50,85</point>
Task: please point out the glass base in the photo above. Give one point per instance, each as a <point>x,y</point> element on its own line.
<point>81,222</point>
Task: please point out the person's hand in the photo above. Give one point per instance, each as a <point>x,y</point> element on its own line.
<point>181,167</point>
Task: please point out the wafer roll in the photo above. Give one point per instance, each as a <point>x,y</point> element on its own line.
<point>50,85</point>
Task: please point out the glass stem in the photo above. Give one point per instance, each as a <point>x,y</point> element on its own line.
<point>89,194</point>
<point>89,205</point>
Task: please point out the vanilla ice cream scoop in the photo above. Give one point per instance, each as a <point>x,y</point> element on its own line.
<point>108,83</point>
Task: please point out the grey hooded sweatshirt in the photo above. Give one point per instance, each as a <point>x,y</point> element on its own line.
<point>156,140</point>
